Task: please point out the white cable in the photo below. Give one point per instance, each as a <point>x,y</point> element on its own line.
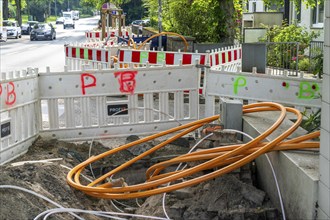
<point>91,145</point>
<point>50,212</point>
<point>137,202</point>
<point>139,108</point>
<point>38,195</point>
<point>152,109</point>
<point>105,214</point>
<point>116,207</point>
<point>85,177</point>
<point>178,167</point>
<point>89,180</point>
<point>271,167</point>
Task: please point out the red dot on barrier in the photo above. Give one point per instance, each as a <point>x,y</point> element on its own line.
<point>314,87</point>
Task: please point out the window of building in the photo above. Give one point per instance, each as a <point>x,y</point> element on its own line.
<point>318,14</point>
<point>298,11</point>
<point>254,6</point>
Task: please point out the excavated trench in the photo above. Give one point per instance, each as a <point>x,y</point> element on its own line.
<point>232,196</point>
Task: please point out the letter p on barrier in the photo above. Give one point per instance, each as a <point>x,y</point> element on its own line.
<point>85,78</point>
<point>239,82</point>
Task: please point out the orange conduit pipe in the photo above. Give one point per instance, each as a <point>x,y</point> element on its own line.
<point>129,43</point>
<point>166,33</point>
<point>225,159</point>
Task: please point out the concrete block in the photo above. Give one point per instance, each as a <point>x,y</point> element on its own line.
<point>321,215</point>
<point>302,169</point>
<point>326,89</point>
<point>231,113</point>
<point>325,144</point>
<point>324,202</point>
<point>325,119</point>
<point>324,171</point>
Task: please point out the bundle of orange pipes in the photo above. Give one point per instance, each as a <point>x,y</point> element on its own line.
<point>225,159</point>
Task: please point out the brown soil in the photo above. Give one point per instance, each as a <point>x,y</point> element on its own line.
<point>226,197</point>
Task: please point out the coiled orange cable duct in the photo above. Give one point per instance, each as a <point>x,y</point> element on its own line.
<point>226,159</point>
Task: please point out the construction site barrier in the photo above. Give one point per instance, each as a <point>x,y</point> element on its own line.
<point>78,105</point>
<point>19,113</point>
<point>92,55</point>
<point>97,35</point>
<point>77,56</point>
<point>81,105</point>
<point>253,87</point>
<point>160,57</point>
<point>229,58</point>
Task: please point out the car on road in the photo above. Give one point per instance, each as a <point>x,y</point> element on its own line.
<point>60,20</point>
<point>68,22</point>
<point>27,27</point>
<point>146,22</point>
<point>137,22</point>
<point>13,30</point>
<point>43,32</point>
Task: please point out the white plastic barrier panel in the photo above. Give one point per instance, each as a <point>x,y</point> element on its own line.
<point>85,104</point>
<point>161,57</point>
<point>291,91</point>
<point>19,113</point>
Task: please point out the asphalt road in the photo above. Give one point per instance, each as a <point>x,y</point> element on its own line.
<point>19,54</point>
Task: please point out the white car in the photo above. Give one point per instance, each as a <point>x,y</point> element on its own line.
<point>60,20</point>
<point>68,22</point>
<point>13,30</point>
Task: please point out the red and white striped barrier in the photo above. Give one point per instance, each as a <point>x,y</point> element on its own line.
<point>160,57</point>
<point>225,56</point>
<point>95,54</point>
<point>96,35</point>
<point>98,44</point>
<point>77,58</point>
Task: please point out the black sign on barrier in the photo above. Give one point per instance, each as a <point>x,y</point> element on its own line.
<point>117,109</point>
<point>5,129</point>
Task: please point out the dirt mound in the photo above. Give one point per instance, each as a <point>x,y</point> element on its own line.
<point>226,197</point>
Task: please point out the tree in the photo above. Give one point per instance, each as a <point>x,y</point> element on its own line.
<point>5,10</point>
<point>18,11</point>
<point>206,20</point>
<point>38,9</point>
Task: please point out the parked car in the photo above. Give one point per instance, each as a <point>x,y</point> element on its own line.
<point>43,32</point>
<point>60,20</point>
<point>146,22</point>
<point>13,30</point>
<point>27,27</point>
<point>68,22</point>
<point>137,22</point>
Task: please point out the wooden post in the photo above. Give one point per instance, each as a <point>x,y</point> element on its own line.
<point>119,22</point>
<point>103,23</point>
